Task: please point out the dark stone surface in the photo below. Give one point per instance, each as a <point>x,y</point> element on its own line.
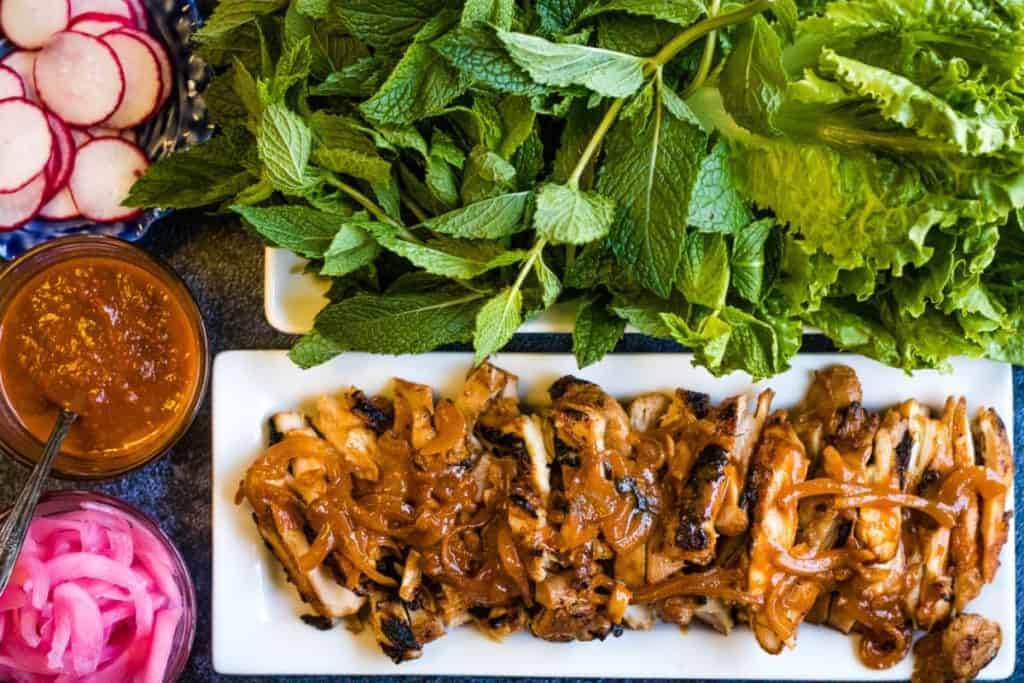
<point>224,266</point>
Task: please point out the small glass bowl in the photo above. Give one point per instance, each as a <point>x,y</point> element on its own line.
<point>16,441</point>
<point>58,502</point>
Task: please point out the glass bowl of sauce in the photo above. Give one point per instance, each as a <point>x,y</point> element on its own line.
<point>97,326</point>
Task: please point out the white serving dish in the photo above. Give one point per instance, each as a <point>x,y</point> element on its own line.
<point>256,629</point>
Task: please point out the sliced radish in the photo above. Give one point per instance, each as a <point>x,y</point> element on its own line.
<point>105,171</point>
<point>23,63</point>
<point>65,145</point>
<point>96,24</point>
<point>141,14</point>
<point>166,69</point>
<point>79,78</point>
<point>130,135</point>
<point>26,143</point>
<point>10,83</point>
<point>118,8</point>
<point>17,208</point>
<point>141,80</point>
<point>30,24</point>
<point>60,208</point>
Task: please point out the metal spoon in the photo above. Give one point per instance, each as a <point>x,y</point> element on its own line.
<point>15,525</point>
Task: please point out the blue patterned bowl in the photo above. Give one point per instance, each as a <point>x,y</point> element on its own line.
<point>181,124</point>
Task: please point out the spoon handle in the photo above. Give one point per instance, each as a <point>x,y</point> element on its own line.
<point>15,525</point>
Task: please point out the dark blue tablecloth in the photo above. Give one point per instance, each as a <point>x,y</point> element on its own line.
<point>224,266</point>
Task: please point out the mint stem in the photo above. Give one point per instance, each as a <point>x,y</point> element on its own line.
<point>701,29</point>
<point>595,141</point>
<point>706,57</point>
<point>370,206</point>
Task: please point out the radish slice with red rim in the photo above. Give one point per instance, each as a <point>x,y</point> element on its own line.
<point>30,24</point>
<point>10,83</point>
<point>79,78</point>
<point>130,135</point>
<point>166,68</point>
<point>17,208</point>
<point>103,132</point>
<point>105,170</point>
<point>141,14</point>
<point>65,145</point>
<point>23,63</point>
<point>26,143</point>
<point>96,24</point>
<point>61,207</point>
<point>120,8</point>
<point>141,80</point>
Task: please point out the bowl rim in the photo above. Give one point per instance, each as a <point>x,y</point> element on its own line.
<point>192,311</point>
<point>176,665</point>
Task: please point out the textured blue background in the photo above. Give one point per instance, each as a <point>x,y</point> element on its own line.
<point>224,266</point>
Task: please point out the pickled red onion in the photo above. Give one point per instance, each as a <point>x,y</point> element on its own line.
<point>94,597</point>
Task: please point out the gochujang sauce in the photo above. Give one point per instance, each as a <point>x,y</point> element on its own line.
<point>106,339</point>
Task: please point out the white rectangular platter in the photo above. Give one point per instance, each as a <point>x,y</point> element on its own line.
<point>256,626</point>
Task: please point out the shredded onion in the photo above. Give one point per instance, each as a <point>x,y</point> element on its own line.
<point>93,597</point>
<point>714,583</point>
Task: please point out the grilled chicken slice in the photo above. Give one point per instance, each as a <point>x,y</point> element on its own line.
<point>318,587</point>
<point>957,653</point>
<point>733,519</point>
<point>567,615</point>
<point>878,528</point>
<point>821,414</point>
<point>711,458</point>
<point>997,456</point>
<point>586,418</point>
<point>414,413</point>
<point>964,549</point>
<point>645,412</point>
<point>349,432</point>
<point>485,386</point>
<point>280,522</point>
<point>936,591</point>
<point>780,462</point>
<point>392,627</point>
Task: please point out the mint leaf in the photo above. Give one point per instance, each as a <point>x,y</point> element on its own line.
<point>753,81</point>
<point>497,321</point>
<point>231,14</point>
<point>716,204</point>
<point>360,79</point>
<point>387,23</point>
<point>285,144</point>
<point>704,276</point>
<point>497,13</point>
<point>305,231</point>
<point>682,12</point>
<point>566,215</point>
<point>207,174</point>
<point>613,74</point>
<point>650,172</point>
<point>345,149</point>
<point>486,175</point>
<point>400,322</point>
<point>314,349</point>
<point>458,259</point>
<point>644,312</point>
<point>550,287</point>
<point>293,67</point>
<point>557,15</point>
<point>481,57</point>
<point>492,218</point>
<point>314,9</point>
<point>596,332</point>
<point>421,85</point>
<point>351,249</point>
<point>748,259</point>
